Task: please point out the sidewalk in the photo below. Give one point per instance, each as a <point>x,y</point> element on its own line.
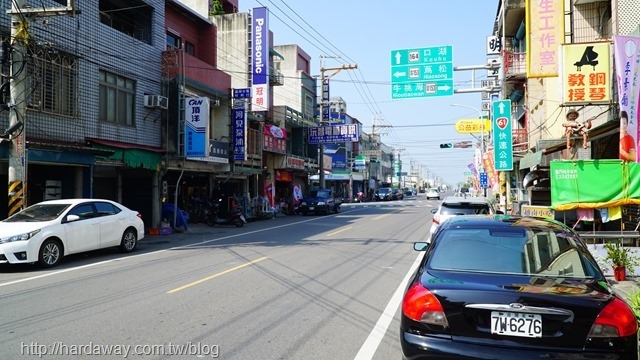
<point>625,289</point>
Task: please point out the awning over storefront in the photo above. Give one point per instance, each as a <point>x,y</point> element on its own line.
<point>133,156</point>
<point>531,160</point>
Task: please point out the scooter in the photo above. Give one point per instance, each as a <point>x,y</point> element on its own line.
<point>234,217</point>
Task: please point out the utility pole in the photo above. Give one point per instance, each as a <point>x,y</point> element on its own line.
<point>325,102</point>
<point>20,16</point>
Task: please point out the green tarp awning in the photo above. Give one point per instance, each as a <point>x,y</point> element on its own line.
<point>592,184</point>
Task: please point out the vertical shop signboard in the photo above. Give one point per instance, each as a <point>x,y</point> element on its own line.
<point>196,123</point>
<point>260,59</point>
<point>239,131</point>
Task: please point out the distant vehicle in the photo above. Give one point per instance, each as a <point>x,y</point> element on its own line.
<point>321,201</point>
<point>456,205</point>
<point>397,194</point>
<point>509,287</point>
<point>433,193</point>
<point>47,231</point>
<point>383,194</point>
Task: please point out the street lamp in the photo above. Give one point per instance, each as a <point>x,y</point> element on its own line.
<point>480,116</point>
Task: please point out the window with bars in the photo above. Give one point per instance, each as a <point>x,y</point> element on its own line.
<point>53,84</point>
<point>117,99</point>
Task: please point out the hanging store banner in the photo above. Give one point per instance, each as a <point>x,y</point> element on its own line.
<point>284,176</point>
<point>586,74</point>
<point>260,59</point>
<point>487,163</point>
<point>196,123</point>
<point>239,131</point>
<point>545,33</point>
<point>627,62</point>
<point>275,139</point>
<point>594,184</point>
<point>333,134</point>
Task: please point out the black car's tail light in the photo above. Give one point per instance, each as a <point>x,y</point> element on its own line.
<point>615,320</point>
<point>421,305</point>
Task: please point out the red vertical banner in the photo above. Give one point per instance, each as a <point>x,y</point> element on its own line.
<point>268,191</point>
<point>487,162</point>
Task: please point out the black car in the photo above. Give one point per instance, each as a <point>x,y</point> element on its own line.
<point>383,194</point>
<point>508,287</point>
<point>397,194</point>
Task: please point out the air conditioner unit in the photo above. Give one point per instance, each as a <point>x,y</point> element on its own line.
<point>156,101</point>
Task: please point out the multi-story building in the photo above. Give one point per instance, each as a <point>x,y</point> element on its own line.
<point>559,58</point>
<point>195,129</point>
<point>295,109</point>
<point>86,131</point>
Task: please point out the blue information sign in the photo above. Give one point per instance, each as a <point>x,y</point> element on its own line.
<point>422,72</point>
<point>242,93</point>
<point>333,134</point>
<point>502,138</point>
<point>484,180</point>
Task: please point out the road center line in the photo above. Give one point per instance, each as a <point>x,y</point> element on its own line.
<point>339,231</point>
<point>379,217</point>
<point>215,275</point>
<point>376,335</point>
<point>135,256</point>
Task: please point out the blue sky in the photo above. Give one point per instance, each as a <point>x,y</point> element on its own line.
<point>364,33</point>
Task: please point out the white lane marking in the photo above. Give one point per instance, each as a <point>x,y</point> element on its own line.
<point>156,252</point>
<point>371,344</point>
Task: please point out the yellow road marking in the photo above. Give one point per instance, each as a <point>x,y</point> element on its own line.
<point>339,231</point>
<point>380,217</point>
<point>214,276</point>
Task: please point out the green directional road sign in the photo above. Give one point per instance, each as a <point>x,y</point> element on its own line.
<point>422,72</point>
<point>502,138</point>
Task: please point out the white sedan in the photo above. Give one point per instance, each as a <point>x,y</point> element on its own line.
<point>433,193</point>
<point>45,232</point>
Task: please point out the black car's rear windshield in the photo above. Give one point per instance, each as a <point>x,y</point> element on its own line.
<point>320,193</point>
<point>515,251</point>
<point>464,209</point>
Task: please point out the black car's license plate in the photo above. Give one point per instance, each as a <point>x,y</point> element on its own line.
<point>516,324</point>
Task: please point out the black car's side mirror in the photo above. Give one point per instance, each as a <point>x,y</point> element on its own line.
<point>420,246</point>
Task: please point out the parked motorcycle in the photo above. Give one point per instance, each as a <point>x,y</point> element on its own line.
<point>235,216</point>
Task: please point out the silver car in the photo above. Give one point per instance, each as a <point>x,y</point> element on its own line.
<point>460,205</point>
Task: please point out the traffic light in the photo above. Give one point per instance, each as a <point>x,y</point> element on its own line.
<point>446,146</point>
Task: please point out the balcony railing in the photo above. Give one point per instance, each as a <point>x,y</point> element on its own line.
<point>194,69</point>
<point>515,64</point>
<point>520,139</point>
<point>275,77</point>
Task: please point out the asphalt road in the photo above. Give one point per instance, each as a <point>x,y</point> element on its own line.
<point>294,287</point>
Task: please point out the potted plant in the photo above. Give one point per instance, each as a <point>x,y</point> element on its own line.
<point>622,259</point>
